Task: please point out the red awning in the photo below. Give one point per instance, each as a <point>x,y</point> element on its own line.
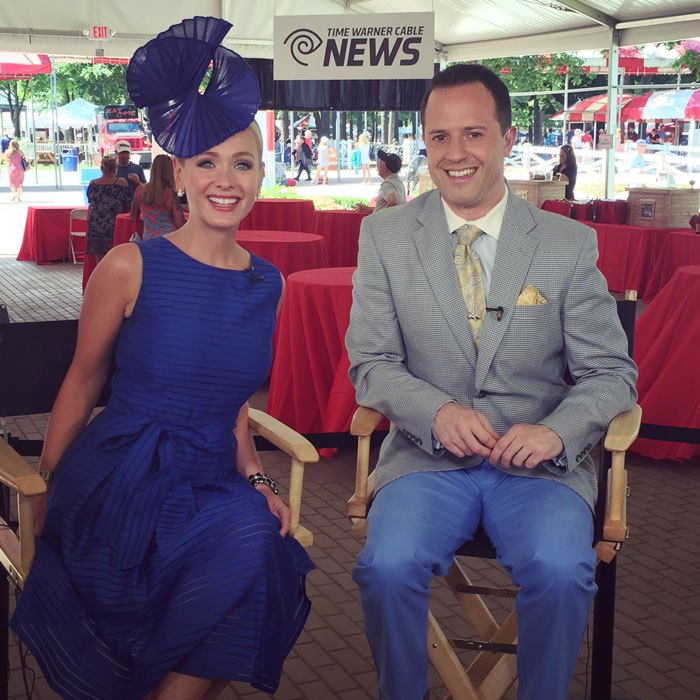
<point>21,66</point>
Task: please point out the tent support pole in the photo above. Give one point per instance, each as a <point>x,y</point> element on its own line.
<point>36,169</point>
<point>613,64</point>
<point>337,146</point>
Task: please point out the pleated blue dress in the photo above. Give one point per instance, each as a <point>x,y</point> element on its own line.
<point>156,554</point>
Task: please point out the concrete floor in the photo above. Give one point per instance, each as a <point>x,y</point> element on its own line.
<point>657,643</point>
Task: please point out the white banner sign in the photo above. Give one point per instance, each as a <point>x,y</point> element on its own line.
<point>354,47</point>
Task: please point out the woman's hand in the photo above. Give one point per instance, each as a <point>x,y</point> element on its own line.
<point>39,512</point>
<point>277,507</point>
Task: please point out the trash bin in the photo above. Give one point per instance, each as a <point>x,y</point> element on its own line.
<point>69,156</point>
<point>86,175</point>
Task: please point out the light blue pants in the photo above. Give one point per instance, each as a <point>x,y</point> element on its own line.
<point>542,532</point>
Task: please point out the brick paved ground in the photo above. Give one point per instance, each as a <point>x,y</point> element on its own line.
<point>657,642</point>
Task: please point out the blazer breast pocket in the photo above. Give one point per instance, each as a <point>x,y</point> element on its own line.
<point>531,326</point>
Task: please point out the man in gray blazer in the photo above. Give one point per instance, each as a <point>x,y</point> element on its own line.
<point>482,434</point>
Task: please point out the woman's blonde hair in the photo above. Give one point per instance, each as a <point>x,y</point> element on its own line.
<point>362,139</point>
<point>13,145</point>
<point>108,164</point>
<point>161,180</point>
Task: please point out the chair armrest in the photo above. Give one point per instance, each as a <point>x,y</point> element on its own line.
<point>17,550</point>
<point>301,451</point>
<point>17,474</point>
<point>622,432</point>
<point>282,436</point>
<point>365,421</point>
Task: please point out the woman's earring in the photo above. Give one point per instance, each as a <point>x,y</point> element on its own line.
<point>181,193</point>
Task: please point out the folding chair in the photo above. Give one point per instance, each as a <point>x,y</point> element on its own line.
<point>76,215</point>
<point>35,357</point>
<point>493,671</point>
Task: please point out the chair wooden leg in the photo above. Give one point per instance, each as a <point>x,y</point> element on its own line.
<point>603,631</point>
<point>5,635</point>
<point>4,609</point>
<point>448,665</point>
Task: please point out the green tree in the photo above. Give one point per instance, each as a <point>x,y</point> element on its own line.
<point>534,74</point>
<point>15,93</point>
<point>100,84</point>
<point>689,60</point>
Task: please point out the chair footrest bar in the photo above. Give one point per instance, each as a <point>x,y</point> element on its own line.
<point>478,645</point>
<point>487,590</point>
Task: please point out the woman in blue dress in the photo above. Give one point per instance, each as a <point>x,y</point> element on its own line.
<point>163,566</point>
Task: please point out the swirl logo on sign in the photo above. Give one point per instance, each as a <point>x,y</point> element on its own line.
<point>303,42</point>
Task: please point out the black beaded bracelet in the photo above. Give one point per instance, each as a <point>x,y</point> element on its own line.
<point>260,478</point>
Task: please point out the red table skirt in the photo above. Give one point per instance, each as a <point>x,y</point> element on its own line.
<point>628,254</point>
<point>610,211</point>
<point>289,251</point>
<point>681,248</point>
<point>666,342</point>
<point>46,234</point>
<point>280,215</point>
<point>309,389</point>
<point>341,231</point>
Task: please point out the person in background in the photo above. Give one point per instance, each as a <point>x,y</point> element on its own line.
<point>566,170</point>
<point>280,175</point>
<point>392,191</point>
<point>587,139</point>
<point>15,170</point>
<point>5,144</point>
<point>365,160</point>
<point>323,162</point>
<point>304,157</point>
<point>157,202</point>
<point>164,569</point>
<point>131,172</point>
<point>468,306</point>
<point>421,144</point>
<point>108,196</point>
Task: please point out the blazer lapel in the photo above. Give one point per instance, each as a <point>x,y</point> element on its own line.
<point>434,244</point>
<point>513,257</point>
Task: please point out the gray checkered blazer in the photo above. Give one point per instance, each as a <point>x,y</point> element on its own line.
<point>411,348</point>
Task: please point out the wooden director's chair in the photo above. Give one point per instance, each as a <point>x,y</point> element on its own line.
<point>493,671</point>
<point>34,358</point>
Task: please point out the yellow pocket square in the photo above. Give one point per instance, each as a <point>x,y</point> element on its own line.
<point>530,297</point>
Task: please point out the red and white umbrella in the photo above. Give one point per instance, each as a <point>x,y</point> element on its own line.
<point>589,109</point>
<point>20,66</point>
<point>665,104</point>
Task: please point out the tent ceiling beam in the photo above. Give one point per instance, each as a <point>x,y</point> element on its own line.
<point>585,9</point>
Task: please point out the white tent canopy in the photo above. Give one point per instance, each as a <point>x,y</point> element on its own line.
<point>464,29</point>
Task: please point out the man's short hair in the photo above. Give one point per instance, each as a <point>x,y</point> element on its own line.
<point>466,73</point>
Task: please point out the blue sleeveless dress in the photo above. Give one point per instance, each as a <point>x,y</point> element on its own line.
<point>156,554</point>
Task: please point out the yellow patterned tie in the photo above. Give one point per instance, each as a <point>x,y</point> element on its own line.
<point>471,278</point>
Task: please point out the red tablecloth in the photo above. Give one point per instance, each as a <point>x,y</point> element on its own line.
<point>46,234</point>
<point>280,215</point>
<point>558,206</point>
<point>124,227</point>
<point>666,342</point>
<point>681,248</point>
<point>609,211</point>
<point>628,254</point>
<point>309,388</point>
<point>341,231</point>
<point>289,251</point>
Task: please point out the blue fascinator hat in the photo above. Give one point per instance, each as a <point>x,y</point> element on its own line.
<point>165,74</point>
